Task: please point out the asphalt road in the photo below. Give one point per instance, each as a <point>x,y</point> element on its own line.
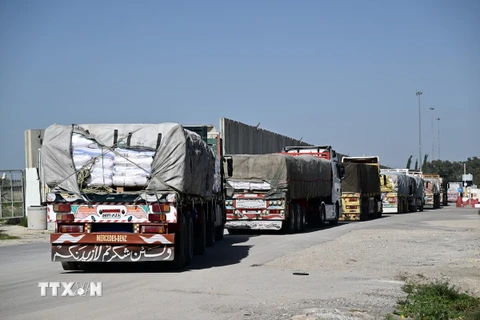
<point>228,282</point>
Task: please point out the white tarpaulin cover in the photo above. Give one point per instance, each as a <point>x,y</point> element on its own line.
<point>300,176</point>
<point>156,157</point>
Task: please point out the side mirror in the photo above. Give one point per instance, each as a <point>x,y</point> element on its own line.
<point>229,167</point>
<point>229,192</point>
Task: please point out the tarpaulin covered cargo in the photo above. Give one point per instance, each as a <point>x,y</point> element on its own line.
<point>299,176</point>
<point>395,181</point>
<point>156,157</point>
<point>360,178</point>
<point>432,185</point>
<point>419,188</point>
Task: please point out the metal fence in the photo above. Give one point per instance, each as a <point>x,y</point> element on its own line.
<point>12,195</point>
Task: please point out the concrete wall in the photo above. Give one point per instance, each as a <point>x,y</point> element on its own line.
<point>242,138</point>
<point>33,141</point>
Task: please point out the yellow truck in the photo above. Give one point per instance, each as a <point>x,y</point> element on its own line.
<point>397,191</point>
<point>361,196</point>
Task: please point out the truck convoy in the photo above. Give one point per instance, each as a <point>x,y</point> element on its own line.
<point>284,191</point>
<point>361,194</point>
<point>129,192</point>
<point>411,188</point>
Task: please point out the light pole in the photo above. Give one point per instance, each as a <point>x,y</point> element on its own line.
<point>419,93</point>
<point>438,135</point>
<point>433,135</point>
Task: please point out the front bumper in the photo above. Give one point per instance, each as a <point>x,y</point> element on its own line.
<point>108,247</point>
<point>254,224</point>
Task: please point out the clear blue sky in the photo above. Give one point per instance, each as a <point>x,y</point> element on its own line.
<point>338,72</point>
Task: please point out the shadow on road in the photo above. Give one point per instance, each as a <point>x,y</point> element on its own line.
<point>223,253</point>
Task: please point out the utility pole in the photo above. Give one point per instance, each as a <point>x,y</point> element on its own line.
<point>433,136</point>
<point>419,93</point>
<point>438,135</point>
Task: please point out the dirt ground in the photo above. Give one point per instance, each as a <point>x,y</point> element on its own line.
<point>360,272</point>
<point>25,235</point>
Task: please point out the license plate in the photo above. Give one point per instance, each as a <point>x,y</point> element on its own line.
<point>111,215</point>
<point>250,204</point>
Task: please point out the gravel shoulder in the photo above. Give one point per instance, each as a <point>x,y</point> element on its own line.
<point>369,259</point>
<point>24,235</point>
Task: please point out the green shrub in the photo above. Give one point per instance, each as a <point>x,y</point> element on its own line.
<point>437,301</point>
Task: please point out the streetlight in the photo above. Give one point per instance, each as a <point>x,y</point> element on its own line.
<point>433,135</point>
<point>438,135</point>
<point>419,93</point>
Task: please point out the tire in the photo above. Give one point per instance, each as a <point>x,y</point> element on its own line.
<point>210,226</point>
<point>70,266</point>
<point>303,219</point>
<point>180,253</point>
<point>322,215</point>
<point>219,231</point>
<point>379,213</point>
<point>190,240</point>
<point>337,216</point>
<point>200,235</point>
<point>363,211</point>
<point>289,226</point>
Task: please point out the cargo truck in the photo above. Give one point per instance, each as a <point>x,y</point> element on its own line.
<point>361,194</point>
<point>396,190</point>
<point>212,137</point>
<point>432,190</point>
<point>127,193</point>
<point>419,194</point>
<point>453,191</point>
<point>284,191</point>
<point>416,193</point>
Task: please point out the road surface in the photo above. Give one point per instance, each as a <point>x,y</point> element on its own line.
<point>266,276</point>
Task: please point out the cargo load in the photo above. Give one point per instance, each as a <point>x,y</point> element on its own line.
<point>360,178</point>
<point>302,177</point>
<point>396,181</point>
<point>419,188</point>
<point>157,157</point>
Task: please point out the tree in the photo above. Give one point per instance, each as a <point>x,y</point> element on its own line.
<point>424,165</point>
<point>452,170</point>
<point>409,162</point>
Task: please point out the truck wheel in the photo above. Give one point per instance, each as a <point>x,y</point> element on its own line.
<point>337,216</point>
<point>322,216</point>
<point>363,210</point>
<point>219,233</point>
<point>302,219</point>
<point>219,230</point>
<point>289,225</point>
<point>190,240</point>
<point>180,253</point>
<point>200,235</point>
<point>210,226</point>
<point>70,266</point>
<point>420,208</point>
